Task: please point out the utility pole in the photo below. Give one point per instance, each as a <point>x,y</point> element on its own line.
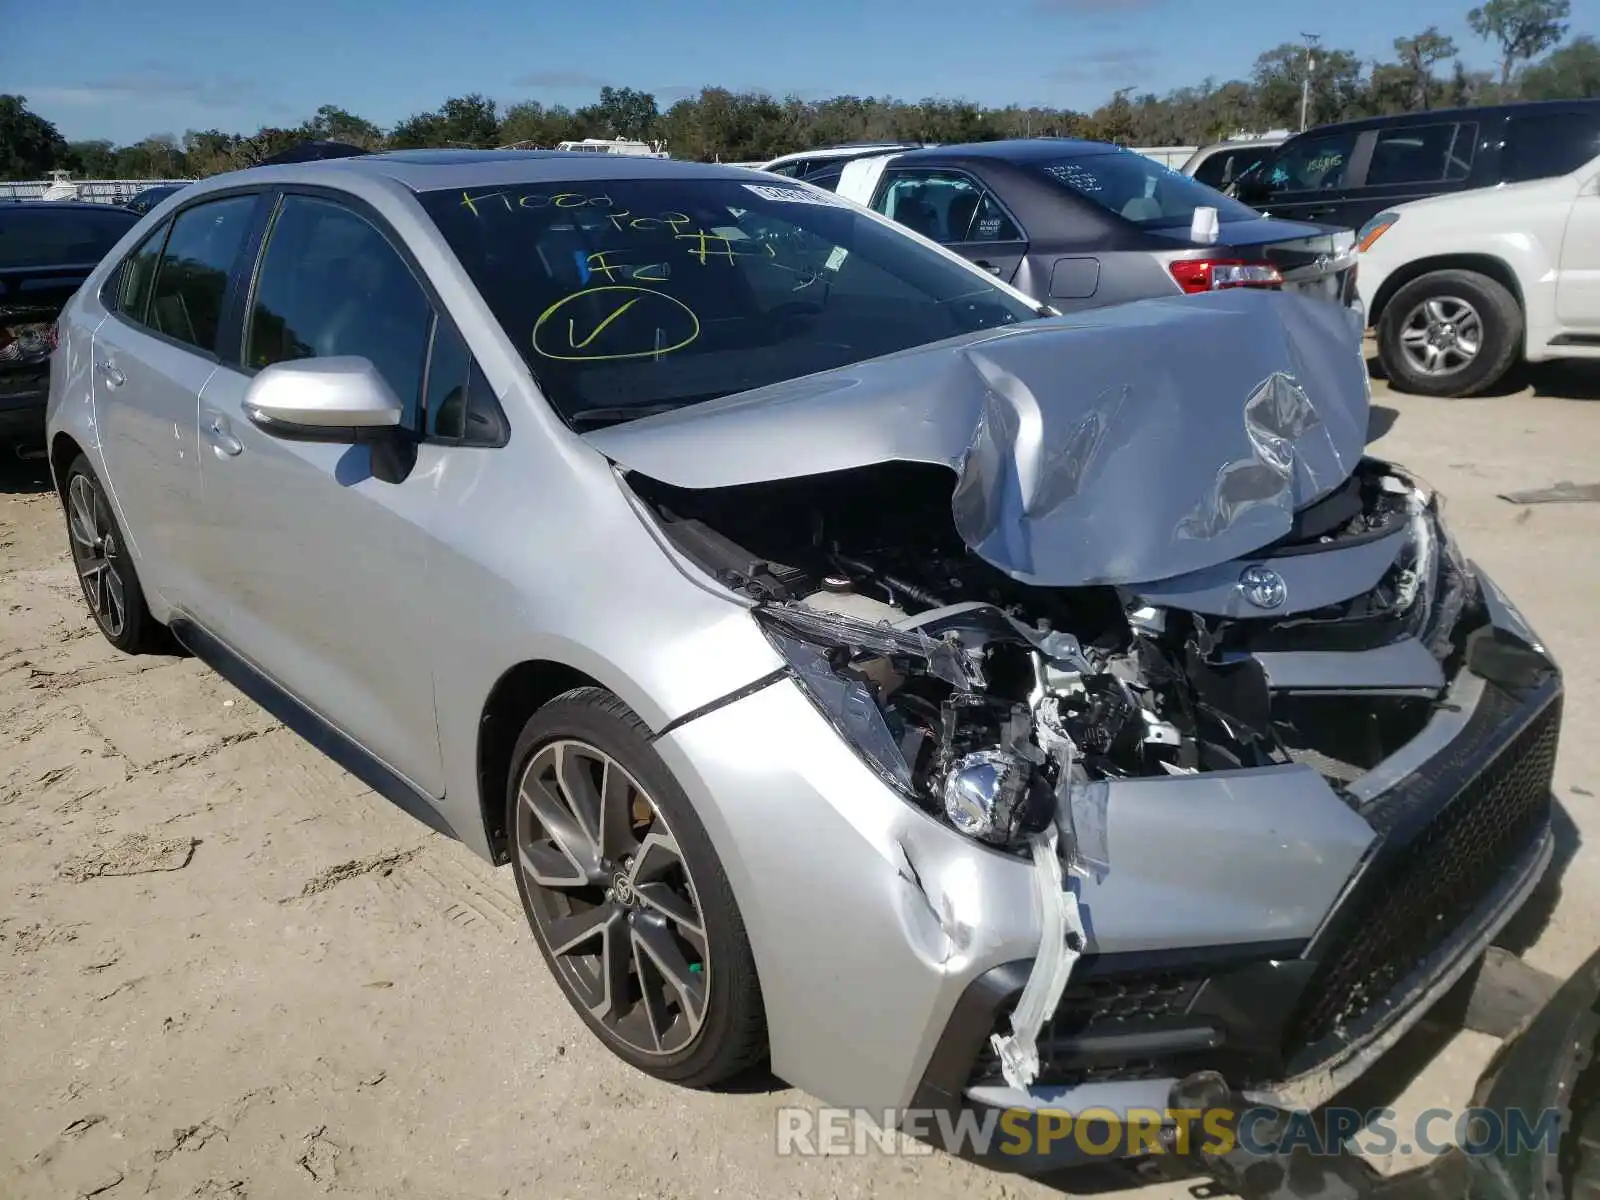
<point>1311,40</point>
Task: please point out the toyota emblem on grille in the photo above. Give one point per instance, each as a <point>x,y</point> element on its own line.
<point>1263,587</point>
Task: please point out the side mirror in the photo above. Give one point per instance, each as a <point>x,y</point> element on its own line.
<point>322,400</point>
<point>340,399</point>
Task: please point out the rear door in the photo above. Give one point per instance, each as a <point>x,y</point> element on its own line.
<point>324,566</point>
<point>1413,161</point>
<point>955,209</point>
<point>152,357</point>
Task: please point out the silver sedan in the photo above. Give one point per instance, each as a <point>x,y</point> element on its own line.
<point>959,706</point>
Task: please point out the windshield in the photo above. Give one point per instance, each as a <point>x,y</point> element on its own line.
<point>628,297</point>
<point>1141,190</point>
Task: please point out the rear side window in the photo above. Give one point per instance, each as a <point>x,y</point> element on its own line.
<point>192,275</point>
<point>1313,164</point>
<point>66,236</point>
<point>947,206</point>
<point>1422,153</point>
<point>1546,145</point>
<point>138,274</point>
<point>330,285</point>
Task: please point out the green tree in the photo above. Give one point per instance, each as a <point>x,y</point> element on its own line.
<point>624,113</point>
<point>533,125</point>
<point>469,121</point>
<point>29,145</point>
<point>264,143</point>
<point>1522,28</point>
<point>1337,88</point>
<point>95,159</point>
<point>156,157</point>
<point>210,151</point>
<point>465,122</point>
<point>1571,73</point>
<point>418,131</point>
<point>332,123</point>
<point>1418,56</point>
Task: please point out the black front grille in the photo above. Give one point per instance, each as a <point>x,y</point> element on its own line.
<point>1415,895</point>
<point>1116,1005</point>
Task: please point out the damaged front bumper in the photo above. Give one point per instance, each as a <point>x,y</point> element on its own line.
<point>1269,927</point>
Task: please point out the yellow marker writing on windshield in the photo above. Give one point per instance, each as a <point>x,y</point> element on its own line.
<point>637,323</point>
<point>598,329</point>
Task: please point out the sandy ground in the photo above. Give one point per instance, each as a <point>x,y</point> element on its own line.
<point>228,970</point>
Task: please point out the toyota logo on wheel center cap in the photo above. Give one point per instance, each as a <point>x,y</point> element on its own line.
<point>1263,587</point>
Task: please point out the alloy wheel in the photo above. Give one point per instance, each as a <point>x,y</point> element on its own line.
<point>1441,335</point>
<point>612,896</point>
<point>97,554</point>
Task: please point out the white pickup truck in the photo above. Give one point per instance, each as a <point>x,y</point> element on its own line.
<point>1459,287</point>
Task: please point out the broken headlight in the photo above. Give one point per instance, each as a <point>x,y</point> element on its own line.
<point>943,720</point>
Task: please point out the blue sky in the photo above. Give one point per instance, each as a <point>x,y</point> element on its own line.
<point>122,71</point>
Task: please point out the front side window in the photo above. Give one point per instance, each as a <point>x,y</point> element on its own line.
<point>948,206</point>
<point>1139,189</point>
<point>1550,144</point>
<point>69,236</point>
<point>1225,167</point>
<point>632,296</point>
<point>1312,164</point>
<point>1422,153</point>
<point>191,279</point>
<point>331,284</point>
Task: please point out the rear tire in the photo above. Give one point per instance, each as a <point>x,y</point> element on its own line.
<point>105,569</point>
<point>626,896</point>
<point>1418,332</point>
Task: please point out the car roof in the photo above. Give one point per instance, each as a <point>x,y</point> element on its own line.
<point>1013,150</point>
<point>431,170</point>
<point>1475,112</point>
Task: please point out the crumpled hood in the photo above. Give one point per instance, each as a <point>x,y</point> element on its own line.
<point>1121,445</point>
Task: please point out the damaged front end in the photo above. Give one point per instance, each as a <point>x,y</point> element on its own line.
<point>1275,756</point>
<point>1007,709</point>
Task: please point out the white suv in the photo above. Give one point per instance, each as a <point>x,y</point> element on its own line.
<point>1459,286</point>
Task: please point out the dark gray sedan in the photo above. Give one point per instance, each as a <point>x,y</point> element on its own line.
<point>1083,224</point>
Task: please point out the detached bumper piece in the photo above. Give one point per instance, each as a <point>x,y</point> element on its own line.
<point>1463,839</point>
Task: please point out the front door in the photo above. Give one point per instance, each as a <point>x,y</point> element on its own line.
<point>1312,179</point>
<point>325,565</point>
<point>152,358</point>
<point>1578,286</point>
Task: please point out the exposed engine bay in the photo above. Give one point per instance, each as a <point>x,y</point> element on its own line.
<point>986,700</point>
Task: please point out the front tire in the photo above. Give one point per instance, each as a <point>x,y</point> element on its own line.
<point>105,568</point>
<point>626,896</point>
<point>1449,333</point>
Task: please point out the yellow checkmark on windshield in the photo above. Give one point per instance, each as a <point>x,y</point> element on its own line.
<point>572,326</point>
<point>659,325</point>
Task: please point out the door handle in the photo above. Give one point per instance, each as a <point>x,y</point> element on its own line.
<point>987,266</point>
<point>114,377</point>
<point>218,434</point>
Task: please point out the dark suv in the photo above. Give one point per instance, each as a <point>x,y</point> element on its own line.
<point>1345,174</point>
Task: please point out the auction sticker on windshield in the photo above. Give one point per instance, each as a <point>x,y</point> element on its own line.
<point>796,195</point>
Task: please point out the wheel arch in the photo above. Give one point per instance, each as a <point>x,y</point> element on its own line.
<point>1490,265</point>
<point>64,449</point>
<point>521,691</point>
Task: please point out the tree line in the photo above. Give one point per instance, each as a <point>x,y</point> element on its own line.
<point>1529,37</point>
